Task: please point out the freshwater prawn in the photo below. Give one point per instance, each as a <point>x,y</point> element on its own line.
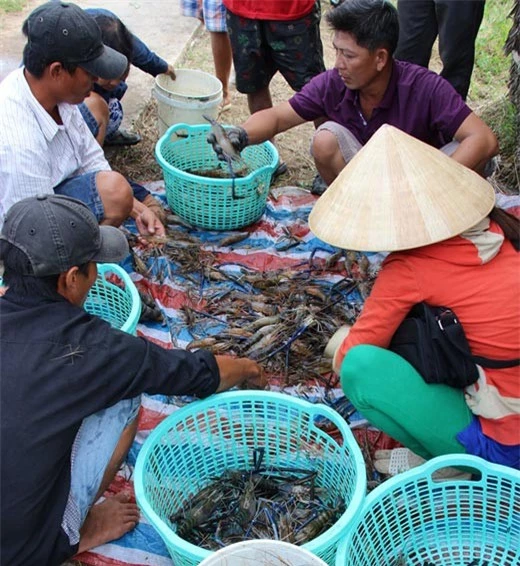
<point>229,153</point>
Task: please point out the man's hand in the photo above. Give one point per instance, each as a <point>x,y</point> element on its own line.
<point>240,371</point>
<point>236,137</point>
<point>171,72</point>
<point>148,224</point>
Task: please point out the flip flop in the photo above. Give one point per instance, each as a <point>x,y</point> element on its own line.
<point>318,185</point>
<point>122,137</point>
<point>225,107</point>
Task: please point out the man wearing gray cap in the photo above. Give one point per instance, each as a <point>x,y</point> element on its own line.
<point>70,384</point>
<point>46,146</point>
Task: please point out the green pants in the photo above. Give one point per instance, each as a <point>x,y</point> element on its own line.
<point>388,391</point>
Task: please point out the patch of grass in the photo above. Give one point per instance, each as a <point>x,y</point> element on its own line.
<point>491,70</point>
<point>7,6</point>
<point>501,118</point>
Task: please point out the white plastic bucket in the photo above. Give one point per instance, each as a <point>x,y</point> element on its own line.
<point>185,99</point>
<point>262,553</point>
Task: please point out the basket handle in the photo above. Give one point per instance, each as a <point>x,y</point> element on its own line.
<point>469,462</point>
<point>182,126</point>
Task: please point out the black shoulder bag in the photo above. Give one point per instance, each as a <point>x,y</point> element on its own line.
<point>432,340</point>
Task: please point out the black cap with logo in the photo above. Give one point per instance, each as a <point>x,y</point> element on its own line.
<point>67,32</point>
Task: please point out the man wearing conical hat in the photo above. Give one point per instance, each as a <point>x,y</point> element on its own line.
<point>452,247</point>
<point>368,88</point>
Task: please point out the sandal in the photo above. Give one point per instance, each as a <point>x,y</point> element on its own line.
<point>318,185</point>
<point>280,170</point>
<point>122,137</point>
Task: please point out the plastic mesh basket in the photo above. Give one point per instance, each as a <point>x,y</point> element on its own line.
<point>207,202</point>
<point>413,519</point>
<point>119,304</point>
<point>202,440</point>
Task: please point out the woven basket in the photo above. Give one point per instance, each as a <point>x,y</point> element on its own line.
<point>207,202</point>
<point>118,304</point>
<point>412,519</point>
<point>203,439</point>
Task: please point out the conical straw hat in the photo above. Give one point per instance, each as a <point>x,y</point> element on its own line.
<point>399,193</point>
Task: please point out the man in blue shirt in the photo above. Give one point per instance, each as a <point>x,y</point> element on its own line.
<point>102,110</point>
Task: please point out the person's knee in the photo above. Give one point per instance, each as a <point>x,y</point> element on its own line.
<point>324,145</point>
<point>116,195</point>
<point>259,100</point>
<point>98,107</point>
<point>356,369</point>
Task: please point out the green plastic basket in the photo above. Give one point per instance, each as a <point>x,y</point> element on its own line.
<point>206,202</point>
<point>413,519</point>
<point>205,438</point>
<point>118,305</point>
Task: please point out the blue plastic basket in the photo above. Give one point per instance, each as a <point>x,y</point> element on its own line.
<point>206,202</point>
<point>448,523</point>
<point>118,305</point>
<point>205,438</point>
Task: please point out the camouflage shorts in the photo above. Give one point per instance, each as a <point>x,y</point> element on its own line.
<point>263,47</point>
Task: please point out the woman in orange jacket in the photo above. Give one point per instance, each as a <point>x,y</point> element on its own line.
<point>452,247</point>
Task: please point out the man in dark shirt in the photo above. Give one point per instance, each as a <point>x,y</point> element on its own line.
<point>368,88</point>
<point>70,384</point>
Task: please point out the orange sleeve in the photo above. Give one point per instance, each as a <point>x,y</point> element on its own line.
<point>394,293</point>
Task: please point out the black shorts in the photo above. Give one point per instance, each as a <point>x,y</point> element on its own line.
<point>262,47</point>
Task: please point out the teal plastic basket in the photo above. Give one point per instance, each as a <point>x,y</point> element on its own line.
<point>118,305</point>
<point>206,202</point>
<point>205,438</point>
<point>413,519</point>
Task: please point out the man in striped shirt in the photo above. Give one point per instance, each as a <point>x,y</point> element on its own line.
<point>45,146</point>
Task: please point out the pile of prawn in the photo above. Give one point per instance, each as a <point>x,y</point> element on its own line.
<point>275,503</point>
<point>281,318</point>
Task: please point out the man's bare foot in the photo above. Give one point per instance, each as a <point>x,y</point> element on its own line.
<point>108,521</point>
<point>226,102</point>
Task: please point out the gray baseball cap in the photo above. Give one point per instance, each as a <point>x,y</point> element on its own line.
<point>57,232</point>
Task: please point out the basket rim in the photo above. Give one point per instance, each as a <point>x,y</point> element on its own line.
<point>425,472</point>
<point>196,128</point>
<point>130,324</point>
<point>326,539</point>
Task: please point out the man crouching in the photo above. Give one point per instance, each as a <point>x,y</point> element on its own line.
<point>70,384</point>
